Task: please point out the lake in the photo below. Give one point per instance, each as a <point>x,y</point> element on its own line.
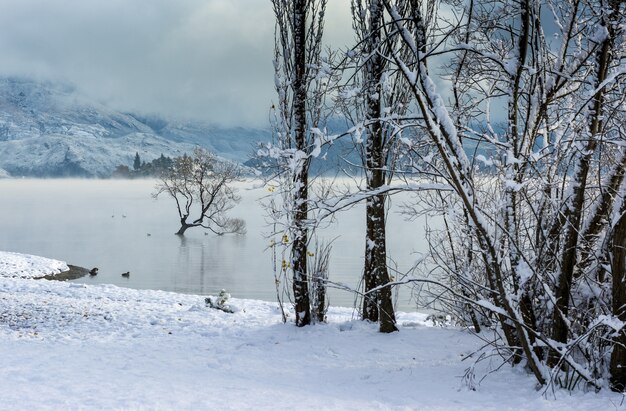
<point>117,226</point>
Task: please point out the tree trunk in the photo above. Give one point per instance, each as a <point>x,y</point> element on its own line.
<point>299,246</point>
<point>618,268</point>
<point>183,227</point>
<point>372,258</point>
<point>320,300</point>
<point>377,306</point>
<point>573,212</point>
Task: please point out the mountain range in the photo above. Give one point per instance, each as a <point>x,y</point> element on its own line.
<point>51,130</point>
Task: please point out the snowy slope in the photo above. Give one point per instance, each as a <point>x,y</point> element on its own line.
<point>81,155</point>
<point>28,266</point>
<point>72,346</point>
<point>49,129</point>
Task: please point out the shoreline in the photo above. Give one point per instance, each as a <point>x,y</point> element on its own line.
<point>73,273</point>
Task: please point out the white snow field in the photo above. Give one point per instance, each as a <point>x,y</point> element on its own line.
<point>70,346</point>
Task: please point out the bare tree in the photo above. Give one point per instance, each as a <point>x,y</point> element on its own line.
<point>380,92</point>
<point>202,187</point>
<point>534,201</point>
<point>298,73</point>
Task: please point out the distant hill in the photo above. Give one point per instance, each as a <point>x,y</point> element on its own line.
<point>50,130</point>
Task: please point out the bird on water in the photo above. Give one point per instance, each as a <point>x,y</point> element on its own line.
<point>126,274</point>
<point>93,271</point>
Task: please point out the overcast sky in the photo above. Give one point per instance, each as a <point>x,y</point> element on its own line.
<point>202,59</point>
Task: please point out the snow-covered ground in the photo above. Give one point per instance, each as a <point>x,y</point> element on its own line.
<point>28,266</point>
<point>71,346</point>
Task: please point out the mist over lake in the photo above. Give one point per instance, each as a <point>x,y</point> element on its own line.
<point>105,224</point>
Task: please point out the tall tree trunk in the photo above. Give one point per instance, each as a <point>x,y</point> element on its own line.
<point>299,246</point>
<point>573,211</point>
<point>514,173</point>
<point>618,268</point>
<point>375,272</point>
<point>377,306</point>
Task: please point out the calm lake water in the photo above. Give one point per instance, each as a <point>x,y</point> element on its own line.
<point>105,224</point>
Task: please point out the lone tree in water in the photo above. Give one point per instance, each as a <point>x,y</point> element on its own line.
<point>201,185</point>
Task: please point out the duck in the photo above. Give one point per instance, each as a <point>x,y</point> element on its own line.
<point>126,274</point>
<point>93,271</point>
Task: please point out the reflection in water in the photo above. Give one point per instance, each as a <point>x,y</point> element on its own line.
<point>83,223</point>
<point>199,268</point>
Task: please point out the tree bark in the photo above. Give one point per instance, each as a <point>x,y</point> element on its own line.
<point>573,212</point>
<point>618,268</point>
<point>377,306</point>
<point>320,300</point>
<point>299,246</point>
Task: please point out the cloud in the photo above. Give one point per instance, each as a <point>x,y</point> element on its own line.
<point>192,58</point>
<point>202,59</point>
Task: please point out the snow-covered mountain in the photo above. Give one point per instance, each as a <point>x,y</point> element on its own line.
<point>50,130</point>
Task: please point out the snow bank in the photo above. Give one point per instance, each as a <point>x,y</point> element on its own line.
<point>29,266</point>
